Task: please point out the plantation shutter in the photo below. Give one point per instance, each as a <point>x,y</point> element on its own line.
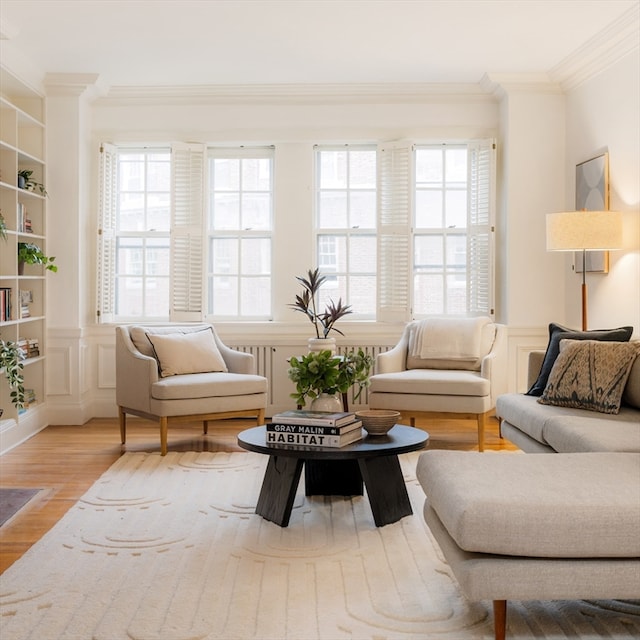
<point>395,198</point>
<point>187,233</point>
<point>481,227</point>
<point>105,303</point>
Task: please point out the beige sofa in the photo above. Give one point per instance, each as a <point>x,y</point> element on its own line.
<point>539,428</point>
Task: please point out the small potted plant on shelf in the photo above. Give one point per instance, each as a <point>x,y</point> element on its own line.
<point>323,320</point>
<point>26,182</point>
<point>322,373</point>
<point>11,357</point>
<point>29,253</point>
<point>3,227</point>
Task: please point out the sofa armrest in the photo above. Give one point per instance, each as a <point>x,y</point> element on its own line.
<point>395,359</point>
<point>534,365</point>
<point>238,361</point>
<point>494,365</point>
<point>135,373</point>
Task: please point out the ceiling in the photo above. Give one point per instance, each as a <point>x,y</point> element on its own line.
<point>133,43</point>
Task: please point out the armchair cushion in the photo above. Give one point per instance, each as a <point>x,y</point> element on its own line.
<point>427,382</point>
<point>180,353</point>
<point>469,341</point>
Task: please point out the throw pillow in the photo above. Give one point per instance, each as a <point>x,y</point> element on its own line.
<point>590,374</point>
<point>558,332</point>
<point>180,353</point>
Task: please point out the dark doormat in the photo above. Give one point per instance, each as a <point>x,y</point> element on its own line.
<point>12,500</point>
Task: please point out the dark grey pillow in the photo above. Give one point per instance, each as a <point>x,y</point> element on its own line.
<point>556,333</point>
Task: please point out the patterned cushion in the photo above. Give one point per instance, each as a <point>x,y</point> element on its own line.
<point>590,374</point>
<point>556,333</point>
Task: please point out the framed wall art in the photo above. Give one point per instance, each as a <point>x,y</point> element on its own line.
<point>592,194</point>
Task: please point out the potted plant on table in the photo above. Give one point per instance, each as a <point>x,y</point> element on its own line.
<point>29,253</point>
<point>321,373</point>
<point>11,357</point>
<point>323,320</point>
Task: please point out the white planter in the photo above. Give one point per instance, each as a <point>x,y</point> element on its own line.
<point>327,402</point>
<point>322,344</point>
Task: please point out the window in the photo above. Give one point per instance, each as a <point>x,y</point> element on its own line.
<point>239,233</point>
<point>139,233</point>
<point>436,230</point>
<point>346,225</point>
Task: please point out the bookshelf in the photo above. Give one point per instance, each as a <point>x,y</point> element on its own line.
<point>22,294</point>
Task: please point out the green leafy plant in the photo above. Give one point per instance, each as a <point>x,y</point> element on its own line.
<point>323,372</point>
<point>11,357</point>
<point>30,253</point>
<point>324,320</point>
<point>3,227</point>
<point>31,185</point>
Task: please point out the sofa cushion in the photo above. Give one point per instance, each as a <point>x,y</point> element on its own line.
<point>207,385</point>
<point>570,430</point>
<point>590,375</point>
<point>558,332</point>
<point>183,353</point>
<point>582,505</point>
<point>431,382</point>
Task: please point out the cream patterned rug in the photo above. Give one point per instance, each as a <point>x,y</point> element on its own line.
<point>170,549</point>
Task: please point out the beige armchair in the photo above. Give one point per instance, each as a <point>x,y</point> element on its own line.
<point>443,368</point>
<point>184,372</point>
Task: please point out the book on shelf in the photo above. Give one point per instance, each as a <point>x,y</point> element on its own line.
<point>302,416</point>
<point>5,304</point>
<point>313,429</point>
<point>30,347</point>
<point>29,400</point>
<point>280,438</point>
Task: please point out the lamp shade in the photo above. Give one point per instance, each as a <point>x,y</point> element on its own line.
<point>584,231</point>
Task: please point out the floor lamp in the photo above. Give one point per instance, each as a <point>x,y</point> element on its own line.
<point>584,231</point>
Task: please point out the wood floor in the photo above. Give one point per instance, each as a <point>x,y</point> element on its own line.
<point>64,461</point>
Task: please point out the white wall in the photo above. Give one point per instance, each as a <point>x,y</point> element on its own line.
<point>603,114</point>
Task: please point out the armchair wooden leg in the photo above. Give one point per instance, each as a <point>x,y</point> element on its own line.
<point>260,420</point>
<point>482,419</point>
<point>205,427</point>
<point>164,427</point>
<point>123,425</point>
<point>500,619</point>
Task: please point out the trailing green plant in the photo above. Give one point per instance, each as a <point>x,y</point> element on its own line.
<point>11,357</point>
<point>30,184</point>
<point>3,227</point>
<point>324,372</point>
<point>324,320</point>
<point>30,253</point>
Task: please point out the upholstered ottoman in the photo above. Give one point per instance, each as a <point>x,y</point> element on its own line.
<point>535,527</point>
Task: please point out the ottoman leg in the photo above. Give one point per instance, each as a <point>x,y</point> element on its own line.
<point>500,619</point>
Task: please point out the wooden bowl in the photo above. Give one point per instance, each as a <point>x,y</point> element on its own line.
<point>378,422</point>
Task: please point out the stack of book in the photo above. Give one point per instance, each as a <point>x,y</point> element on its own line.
<point>29,400</point>
<point>313,428</point>
<point>31,347</point>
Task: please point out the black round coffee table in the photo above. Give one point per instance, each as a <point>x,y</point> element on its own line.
<point>336,471</point>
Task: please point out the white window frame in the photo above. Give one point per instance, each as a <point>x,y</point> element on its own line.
<point>396,210</point>
<point>241,153</point>
<point>348,232</point>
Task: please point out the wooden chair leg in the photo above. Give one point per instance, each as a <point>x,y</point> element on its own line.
<point>123,425</point>
<point>500,619</point>
<point>482,419</point>
<point>164,428</point>
<point>260,419</point>
<point>205,427</point>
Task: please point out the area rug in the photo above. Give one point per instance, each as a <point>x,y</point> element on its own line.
<point>169,548</point>
<point>12,499</point>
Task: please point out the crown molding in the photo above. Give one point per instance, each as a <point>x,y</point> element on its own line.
<point>608,46</point>
<point>274,94</point>
<point>71,84</point>
<point>502,84</point>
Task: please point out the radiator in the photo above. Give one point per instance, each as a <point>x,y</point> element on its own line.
<point>274,369</point>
